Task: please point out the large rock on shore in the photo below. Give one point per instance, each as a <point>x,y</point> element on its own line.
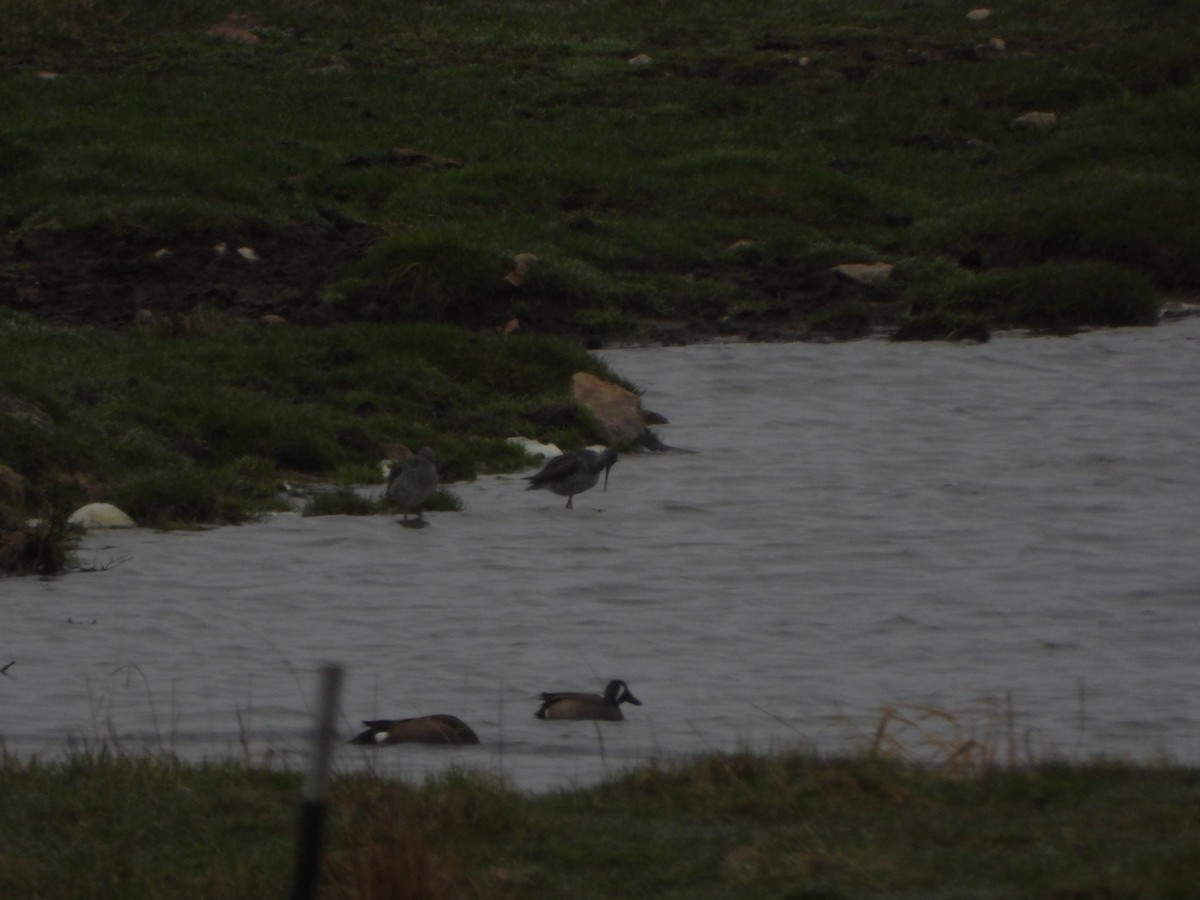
<point>618,409</point>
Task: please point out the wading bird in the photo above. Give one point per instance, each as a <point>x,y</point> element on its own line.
<point>573,473</point>
<point>411,482</point>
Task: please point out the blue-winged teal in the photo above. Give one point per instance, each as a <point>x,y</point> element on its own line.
<point>436,729</point>
<point>573,473</point>
<point>412,481</point>
<point>568,705</point>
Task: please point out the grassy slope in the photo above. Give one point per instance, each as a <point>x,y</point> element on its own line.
<point>821,132</point>
<point>711,188</point>
<point>725,826</point>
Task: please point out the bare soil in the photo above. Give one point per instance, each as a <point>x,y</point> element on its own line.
<point>110,281</point>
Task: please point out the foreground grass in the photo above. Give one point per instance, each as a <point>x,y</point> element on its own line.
<point>724,826</point>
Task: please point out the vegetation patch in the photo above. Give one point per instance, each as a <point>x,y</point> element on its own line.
<point>791,825</point>
<point>326,162</point>
<point>204,421</point>
<point>236,248</point>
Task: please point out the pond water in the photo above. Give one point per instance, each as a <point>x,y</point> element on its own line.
<point>995,543</point>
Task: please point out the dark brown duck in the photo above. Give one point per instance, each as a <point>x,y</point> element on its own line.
<point>436,729</point>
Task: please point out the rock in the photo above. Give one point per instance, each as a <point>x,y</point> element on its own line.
<point>536,448</point>
<point>1035,121</point>
<point>522,263</point>
<point>979,15</point>
<point>100,515</point>
<point>12,548</point>
<point>272,319</point>
<point>870,274</point>
<point>238,28</point>
<point>16,408</point>
<point>618,410</point>
<point>641,60</point>
<point>12,488</point>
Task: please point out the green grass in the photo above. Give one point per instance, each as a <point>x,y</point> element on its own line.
<point>707,192</point>
<point>792,825</point>
<point>203,427</point>
<point>797,125</point>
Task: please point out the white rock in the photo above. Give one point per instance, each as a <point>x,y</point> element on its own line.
<point>100,515</point>
<point>979,15</point>
<point>866,273</point>
<point>1036,121</point>
<point>536,448</point>
<point>641,60</point>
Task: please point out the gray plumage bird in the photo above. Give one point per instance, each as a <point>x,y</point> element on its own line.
<point>436,729</point>
<point>571,705</point>
<point>573,473</point>
<point>411,482</point>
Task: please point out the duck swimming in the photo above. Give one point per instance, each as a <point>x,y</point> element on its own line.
<point>435,729</point>
<point>571,705</point>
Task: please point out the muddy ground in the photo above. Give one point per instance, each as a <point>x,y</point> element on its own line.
<point>117,282</point>
<point>114,282</point>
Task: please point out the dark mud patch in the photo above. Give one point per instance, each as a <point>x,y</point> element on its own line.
<point>100,279</point>
<point>116,281</point>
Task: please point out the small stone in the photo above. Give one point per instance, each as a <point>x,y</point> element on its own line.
<point>1036,121</point>
<point>641,60</point>
<point>870,274</point>
<point>238,28</point>
<point>535,448</point>
<point>12,488</point>
<point>272,319</point>
<point>247,253</point>
<point>522,263</point>
<point>16,408</point>
<point>979,15</point>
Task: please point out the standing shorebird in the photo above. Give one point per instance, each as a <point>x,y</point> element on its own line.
<point>411,482</point>
<point>570,705</point>
<point>573,473</point>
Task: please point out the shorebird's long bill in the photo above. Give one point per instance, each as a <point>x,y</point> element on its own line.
<point>607,469</point>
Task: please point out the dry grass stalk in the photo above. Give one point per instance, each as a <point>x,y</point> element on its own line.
<point>957,742</point>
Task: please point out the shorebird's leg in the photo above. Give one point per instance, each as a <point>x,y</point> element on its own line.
<point>570,505</point>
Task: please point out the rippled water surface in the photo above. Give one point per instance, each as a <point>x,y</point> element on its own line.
<point>1004,535</point>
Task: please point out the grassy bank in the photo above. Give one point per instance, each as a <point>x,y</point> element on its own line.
<point>724,826</point>
<point>204,425</point>
<point>673,166</point>
<point>444,188</point>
